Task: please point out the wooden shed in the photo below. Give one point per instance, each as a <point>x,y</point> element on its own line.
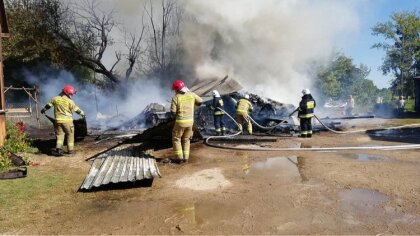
<point>4,34</point>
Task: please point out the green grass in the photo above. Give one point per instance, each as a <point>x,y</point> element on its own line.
<point>37,185</point>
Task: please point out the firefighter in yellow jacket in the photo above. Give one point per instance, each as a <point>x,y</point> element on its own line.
<point>63,108</point>
<point>182,107</point>
<point>243,107</point>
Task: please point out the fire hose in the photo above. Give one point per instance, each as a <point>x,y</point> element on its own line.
<point>271,127</point>
<point>389,147</point>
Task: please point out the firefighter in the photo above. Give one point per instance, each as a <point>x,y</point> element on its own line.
<point>350,105</point>
<point>306,112</point>
<point>243,107</point>
<point>219,124</point>
<point>63,108</point>
<point>182,107</point>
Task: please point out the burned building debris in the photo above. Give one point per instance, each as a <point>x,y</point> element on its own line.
<point>267,112</point>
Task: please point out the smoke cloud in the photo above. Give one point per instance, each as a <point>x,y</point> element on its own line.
<point>99,104</point>
<point>267,44</point>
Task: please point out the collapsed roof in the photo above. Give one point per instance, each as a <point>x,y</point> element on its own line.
<point>266,111</point>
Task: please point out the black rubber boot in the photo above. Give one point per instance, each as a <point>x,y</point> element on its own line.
<point>58,152</point>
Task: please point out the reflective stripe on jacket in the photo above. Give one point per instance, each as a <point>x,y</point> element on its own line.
<point>244,106</point>
<point>63,108</point>
<point>217,103</point>
<point>306,106</point>
<point>183,106</point>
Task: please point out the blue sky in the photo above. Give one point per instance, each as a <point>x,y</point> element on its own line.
<point>371,13</point>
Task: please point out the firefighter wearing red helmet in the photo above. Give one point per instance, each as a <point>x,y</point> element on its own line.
<point>182,107</point>
<point>63,112</point>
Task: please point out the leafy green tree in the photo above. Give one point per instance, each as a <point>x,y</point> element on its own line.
<point>339,77</point>
<point>32,43</point>
<point>402,44</point>
<point>71,35</point>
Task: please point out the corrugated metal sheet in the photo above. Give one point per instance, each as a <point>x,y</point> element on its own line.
<point>119,165</point>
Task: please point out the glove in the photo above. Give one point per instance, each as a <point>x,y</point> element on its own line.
<point>43,111</point>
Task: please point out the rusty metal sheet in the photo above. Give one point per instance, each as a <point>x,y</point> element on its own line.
<point>120,165</point>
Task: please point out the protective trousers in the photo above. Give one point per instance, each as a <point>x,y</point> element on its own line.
<point>65,129</point>
<point>219,124</point>
<point>244,118</point>
<point>306,127</point>
<point>181,141</point>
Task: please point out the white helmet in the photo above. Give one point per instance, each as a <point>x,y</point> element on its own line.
<point>306,91</point>
<point>216,94</point>
<point>246,96</point>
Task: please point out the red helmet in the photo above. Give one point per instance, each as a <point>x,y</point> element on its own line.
<point>69,90</point>
<point>178,85</point>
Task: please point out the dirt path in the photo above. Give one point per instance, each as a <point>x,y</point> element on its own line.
<point>227,192</point>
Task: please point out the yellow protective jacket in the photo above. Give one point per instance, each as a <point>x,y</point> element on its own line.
<point>63,107</point>
<point>244,107</point>
<point>183,105</point>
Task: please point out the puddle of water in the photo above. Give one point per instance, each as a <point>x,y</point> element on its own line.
<point>286,168</point>
<point>361,196</point>
<point>208,212</point>
<point>213,212</point>
<point>370,206</point>
<point>365,157</point>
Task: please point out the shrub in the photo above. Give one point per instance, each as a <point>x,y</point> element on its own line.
<point>16,141</point>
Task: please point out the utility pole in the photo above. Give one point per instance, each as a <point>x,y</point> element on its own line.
<point>4,33</point>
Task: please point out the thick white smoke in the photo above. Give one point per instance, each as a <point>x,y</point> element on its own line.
<point>97,104</point>
<point>265,44</point>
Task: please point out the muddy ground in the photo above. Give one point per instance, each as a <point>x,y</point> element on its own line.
<point>227,192</point>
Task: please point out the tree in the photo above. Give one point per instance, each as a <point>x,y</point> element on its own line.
<point>339,77</point>
<point>164,45</point>
<point>402,35</point>
<point>32,42</point>
<point>74,37</point>
<point>84,32</point>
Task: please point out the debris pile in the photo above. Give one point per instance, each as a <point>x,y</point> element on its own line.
<point>267,112</point>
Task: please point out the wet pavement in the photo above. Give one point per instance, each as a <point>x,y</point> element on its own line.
<point>288,169</point>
